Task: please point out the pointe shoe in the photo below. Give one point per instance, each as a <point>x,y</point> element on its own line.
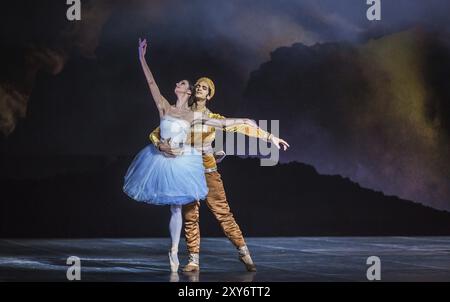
<point>193,264</point>
<point>174,263</point>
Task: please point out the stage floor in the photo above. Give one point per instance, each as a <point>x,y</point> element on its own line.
<point>277,259</point>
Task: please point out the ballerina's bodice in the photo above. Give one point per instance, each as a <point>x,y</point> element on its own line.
<point>175,128</point>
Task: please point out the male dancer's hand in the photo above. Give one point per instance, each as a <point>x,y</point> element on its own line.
<point>279,142</point>
<point>167,150</point>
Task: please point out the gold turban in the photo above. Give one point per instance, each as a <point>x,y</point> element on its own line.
<point>212,87</point>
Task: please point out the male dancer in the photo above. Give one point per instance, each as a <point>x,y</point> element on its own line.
<point>202,139</point>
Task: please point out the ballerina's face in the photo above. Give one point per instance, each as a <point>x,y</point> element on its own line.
<point>182,87</point>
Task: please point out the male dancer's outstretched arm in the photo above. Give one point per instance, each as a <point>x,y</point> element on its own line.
<point>233,122</point>
<point>244,129</point>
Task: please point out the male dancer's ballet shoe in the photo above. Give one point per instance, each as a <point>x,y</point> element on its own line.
<point>193,263</point>
<point>244,257</point>
<point>191,267</point>
<point>173,259</point>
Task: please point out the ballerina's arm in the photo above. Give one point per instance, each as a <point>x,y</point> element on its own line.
<point>161,103</point>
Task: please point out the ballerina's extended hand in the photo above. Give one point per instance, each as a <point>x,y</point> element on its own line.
<point>142,48</point>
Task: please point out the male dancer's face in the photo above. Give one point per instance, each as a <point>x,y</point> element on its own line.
<point>202,91</point>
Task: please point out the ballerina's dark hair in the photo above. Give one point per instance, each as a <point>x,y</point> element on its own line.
<point>192,97</point>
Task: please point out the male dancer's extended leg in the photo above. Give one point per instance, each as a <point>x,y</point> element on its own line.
<point>218,204</point>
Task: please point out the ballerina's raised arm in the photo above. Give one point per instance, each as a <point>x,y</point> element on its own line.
<point>161,103</point>
<point>229,122</point>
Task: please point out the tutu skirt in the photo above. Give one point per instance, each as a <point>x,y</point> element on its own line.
<point>156,179</point>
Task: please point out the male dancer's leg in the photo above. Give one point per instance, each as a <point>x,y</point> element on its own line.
<point>218,204</point>
<point>191,227</point>
<point>192,234</point>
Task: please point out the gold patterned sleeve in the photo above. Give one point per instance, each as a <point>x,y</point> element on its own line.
<point>249,131</point>
<point>244,129</point>
<point>155,137</point>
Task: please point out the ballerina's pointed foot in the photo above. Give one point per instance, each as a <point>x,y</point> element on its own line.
<point>174,262</point>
